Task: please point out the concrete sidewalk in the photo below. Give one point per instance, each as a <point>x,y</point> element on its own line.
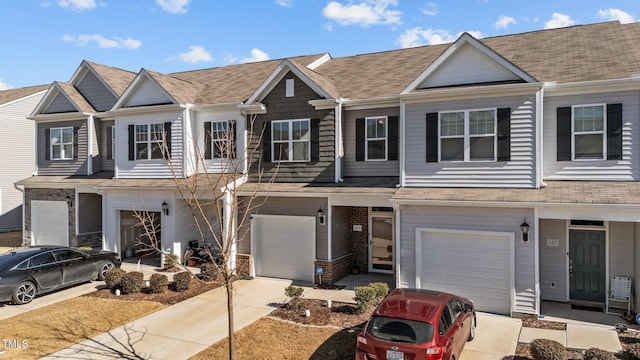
<point>183,330</point>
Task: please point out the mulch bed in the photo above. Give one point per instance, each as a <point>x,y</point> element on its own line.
<point>340,314</point>
<point>169,298</point>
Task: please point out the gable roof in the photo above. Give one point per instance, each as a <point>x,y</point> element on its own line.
<point>70,93</point>
<point>7,96</point>
<point>115,78</point>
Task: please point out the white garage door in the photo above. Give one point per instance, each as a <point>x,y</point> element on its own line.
<point>284,246</point>
<point>476,265</point>
<point>50,222</point>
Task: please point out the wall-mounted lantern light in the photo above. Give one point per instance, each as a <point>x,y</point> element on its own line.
<point>524,228</point>
<point>69,201</point>
<point>321,217</point>
<point>165,208</point>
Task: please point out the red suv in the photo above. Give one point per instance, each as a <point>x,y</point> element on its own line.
<point>414,324</point>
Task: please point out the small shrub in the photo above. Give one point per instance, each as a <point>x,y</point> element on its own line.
<point>598,354</point>
<point>633,351</point>
<point>132,282</point>
<point>381,289</point>
<point>182,280</point>
<point>158,283</point>
<point>170,260</point>
<point>365,297</point>
<point>545,349</point>
<point>209,271</point>
<point>113,279</point>
<point>294,293</point>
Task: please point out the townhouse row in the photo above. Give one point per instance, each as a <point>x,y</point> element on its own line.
<point>504,169</point>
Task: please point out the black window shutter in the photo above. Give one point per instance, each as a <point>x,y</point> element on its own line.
<point>393,129</point>
<point>432,137</point>
<point>614,131</point>
<point>504,134</point>
<point>109,142</point>
<point>231,146</point>
<point>360,140</point>
<point>75,142</point>
<point>266,142</point>
<point>167,137</point>
<point>563,117</point>
<point>47,144</point>
<point>315,139</point>
<point>207,140</point>
<point>132,143</point>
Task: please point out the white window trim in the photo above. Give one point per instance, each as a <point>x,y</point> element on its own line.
<point>603,132</point>
<point>149,140</point>
<point>385,138</point>
<point>61,144</point>
<point>467,136</point>
<point>113,142</point>
<point>224,139</point>
<point>290,141</point>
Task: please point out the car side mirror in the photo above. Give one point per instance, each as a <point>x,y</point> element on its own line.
<point>467,308</point>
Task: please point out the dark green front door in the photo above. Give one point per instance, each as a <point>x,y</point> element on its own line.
<point>587,265</point>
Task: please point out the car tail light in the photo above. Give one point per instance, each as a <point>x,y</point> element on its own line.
<point>362,340</point>
<point>434,352</point>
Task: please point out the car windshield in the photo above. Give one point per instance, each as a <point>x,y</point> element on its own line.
<point>400,330</point>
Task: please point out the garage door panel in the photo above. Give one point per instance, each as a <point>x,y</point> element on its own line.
<point>477,266</point>
<point>50,222</point>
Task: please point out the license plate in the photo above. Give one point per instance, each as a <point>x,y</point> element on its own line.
<point>395,355</point>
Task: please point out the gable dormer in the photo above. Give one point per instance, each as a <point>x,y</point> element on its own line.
<point>100,85</point>
<point>144,90</point>
<point>62,98</point>
<point>468,62</point>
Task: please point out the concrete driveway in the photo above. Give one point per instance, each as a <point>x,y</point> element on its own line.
<point>496,338</point>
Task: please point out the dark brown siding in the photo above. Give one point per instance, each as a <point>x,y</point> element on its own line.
<point>280,107</point>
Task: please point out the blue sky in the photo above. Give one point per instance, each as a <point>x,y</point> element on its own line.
<point>45,40</point>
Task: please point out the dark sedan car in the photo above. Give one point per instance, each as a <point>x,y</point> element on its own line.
<point>417,324</point>
<point>29,271</point>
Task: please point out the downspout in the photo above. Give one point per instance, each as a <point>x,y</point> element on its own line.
<point>402,142</point>
<point>539,138</point>
<point>90,154</point>
<point>339,144</point>
<point>227,235</point>
<point>24,206</point>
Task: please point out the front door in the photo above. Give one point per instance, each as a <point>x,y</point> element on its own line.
<point>587,265</point>
<point>381,244</point>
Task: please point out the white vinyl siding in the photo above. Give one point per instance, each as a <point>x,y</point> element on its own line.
<point>553,259</point>
<point>627,169</point>
<point>519,171</point>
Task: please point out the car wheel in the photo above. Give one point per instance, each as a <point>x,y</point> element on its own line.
<point>104,269</point>
<point>472,331</point>
<point>23,293</point>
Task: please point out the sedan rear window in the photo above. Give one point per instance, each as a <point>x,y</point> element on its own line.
<point>400,330</point>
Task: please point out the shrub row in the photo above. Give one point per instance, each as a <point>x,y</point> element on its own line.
<point>132,282</point>
<point>545,349</point>
<point>372,294</point>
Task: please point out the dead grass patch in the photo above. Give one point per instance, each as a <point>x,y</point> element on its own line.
<point>58,326</point>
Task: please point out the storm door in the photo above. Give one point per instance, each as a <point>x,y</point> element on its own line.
<point>381,247</point>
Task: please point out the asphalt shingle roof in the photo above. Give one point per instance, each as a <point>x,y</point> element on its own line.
<point>7,96</point>
<point>117,79</point>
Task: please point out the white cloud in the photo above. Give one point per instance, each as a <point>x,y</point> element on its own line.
<point>103,43</point>
<point>77,5</point>
<point>559,20</point>
<point>196,54</point>
<point>174,6</point>
<point>365,13</point>
<point>4,86</point>
<point>504,22</point>
<point>430,9</point>
<point>419,36</point>
<point>616,14</point>
<point>285,3</point>
<point>256,55</point>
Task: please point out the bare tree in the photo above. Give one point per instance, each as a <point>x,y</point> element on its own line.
<point>220,214</point>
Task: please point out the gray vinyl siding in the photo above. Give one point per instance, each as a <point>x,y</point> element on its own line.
<point>350,166</point>
<point>280,107</point>
<point>76,166</point>
<point>17,144</point>
<point>518,172</point>
<point>60,104</point>
<point>340,232</point>
<point>89,213</point>
<point>291,206</point>
<point>553,260</point>
<point>96,93</point>
<point>106,163</point>
<point>621,245</point>
<point>472,219</point>
<point>626,169</point>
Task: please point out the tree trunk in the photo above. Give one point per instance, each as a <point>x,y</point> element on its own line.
<point>229,284</point>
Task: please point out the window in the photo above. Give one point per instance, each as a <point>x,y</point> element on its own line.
<point>42,259</point>
<point>291,140</point>
<point>219,139</point>
<point>289,88</point>
<point>64,255</point>
<point>61,143</point>
<point>468,135</point>
<point>588,126</point>
<point>456,308</point>
<point>376,138</point>
<point>149,141</point>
